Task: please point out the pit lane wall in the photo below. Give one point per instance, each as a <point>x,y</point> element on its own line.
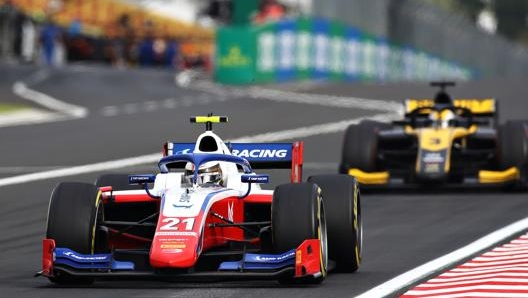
<point>315,48</point>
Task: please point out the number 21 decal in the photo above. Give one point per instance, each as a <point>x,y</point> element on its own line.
<point>173,223</point>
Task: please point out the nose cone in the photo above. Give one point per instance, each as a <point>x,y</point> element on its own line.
<point>173,251</point>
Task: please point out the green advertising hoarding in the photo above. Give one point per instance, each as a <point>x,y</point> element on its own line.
<point>308,48</point>
<point>235,55</point>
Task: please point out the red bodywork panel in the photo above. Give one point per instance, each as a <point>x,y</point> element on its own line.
<point>48,247</point>
<point>308,258</point>
<point>297,161</point>
<point>177,242</point>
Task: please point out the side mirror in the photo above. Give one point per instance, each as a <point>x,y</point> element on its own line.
<point>140,179</point>
<point>143,180</point>
<point>254,178</point>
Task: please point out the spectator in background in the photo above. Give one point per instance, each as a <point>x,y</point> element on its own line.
<point>172,53</point>
<point>75,28</point>
<point>8,15</point>
<point>146,50</point>
<point>29,40</point>
<point>159,48</point>
<point>269,10</point>
<point>49,39</point>
<point>118,43</point>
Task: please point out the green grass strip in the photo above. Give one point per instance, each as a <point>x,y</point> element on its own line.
<point>7,107</point>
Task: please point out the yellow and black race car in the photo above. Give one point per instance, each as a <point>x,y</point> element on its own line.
<point>439,142</point>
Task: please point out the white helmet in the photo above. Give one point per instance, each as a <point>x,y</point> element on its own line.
<point>208,173</point>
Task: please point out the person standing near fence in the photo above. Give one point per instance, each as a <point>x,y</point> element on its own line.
<point>49,37</point>
<point>8,15</point>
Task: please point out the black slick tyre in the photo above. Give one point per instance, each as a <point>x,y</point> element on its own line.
<point>343,219</point>
<point>297,214</point>
<point>360,147</point>
<point>513,146</point>
<point>74,212</point>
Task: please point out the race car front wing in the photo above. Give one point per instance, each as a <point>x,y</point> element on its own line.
<point>302,262</point>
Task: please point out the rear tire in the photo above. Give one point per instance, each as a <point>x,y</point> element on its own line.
<point>360,146</point>
<point>343,219</point>
<point>297,214</point>
<point>74,211</point>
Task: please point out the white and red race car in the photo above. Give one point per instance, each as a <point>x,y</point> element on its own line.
<point>205,215</point>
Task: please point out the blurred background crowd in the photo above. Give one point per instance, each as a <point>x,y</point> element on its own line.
<point>180,34</point>
<point>124,34</point>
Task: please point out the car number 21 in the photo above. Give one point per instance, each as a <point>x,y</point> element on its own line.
<point>173,223</point>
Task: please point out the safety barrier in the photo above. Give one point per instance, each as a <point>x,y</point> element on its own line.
<point>316,48</point>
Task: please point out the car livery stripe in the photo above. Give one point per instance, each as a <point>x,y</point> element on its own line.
<point>210,196</point>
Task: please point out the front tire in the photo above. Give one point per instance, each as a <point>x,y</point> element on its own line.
<point>513,142</point>
<point>513,146</point>
<point>343,218</point>
<point>74,213</point>
<point>297,214</point>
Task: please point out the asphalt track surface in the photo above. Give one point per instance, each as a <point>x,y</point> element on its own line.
<point>133,112</point>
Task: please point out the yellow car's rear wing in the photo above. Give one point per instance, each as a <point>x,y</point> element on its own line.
<point>477,106</point>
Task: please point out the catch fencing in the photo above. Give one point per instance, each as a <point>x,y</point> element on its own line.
<point>431,29</point>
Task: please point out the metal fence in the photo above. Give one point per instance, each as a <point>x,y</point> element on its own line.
<point>429,28</point>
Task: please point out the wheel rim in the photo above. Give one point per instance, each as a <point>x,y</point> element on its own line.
<point>359,225</point>
<point>99,217</point>
<point>323,237</point>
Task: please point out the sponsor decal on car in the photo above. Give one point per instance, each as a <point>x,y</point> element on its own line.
<point>84,258</point>
<point>271,258</point>
<point>262,153</point>
<point>433,157</point>
<point>176,233</point>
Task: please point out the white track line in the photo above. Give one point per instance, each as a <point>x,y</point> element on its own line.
<point>154,157</point>
<point>296,97</point>
<point>404,280</point>
<point>49,102</point>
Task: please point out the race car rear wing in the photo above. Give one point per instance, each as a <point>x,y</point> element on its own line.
<point>485,107</point>
<point>259,155</point>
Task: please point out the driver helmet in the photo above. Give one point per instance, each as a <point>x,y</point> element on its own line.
<point>442,119</point>
<point>446,118</point>
<point>209,172</point>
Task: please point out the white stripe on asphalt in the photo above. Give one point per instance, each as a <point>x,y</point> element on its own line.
<point>153,158</point>
<point>30,116</point>
<point>411,277</point>
<point>296,97</point>
<point>49,102</point>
